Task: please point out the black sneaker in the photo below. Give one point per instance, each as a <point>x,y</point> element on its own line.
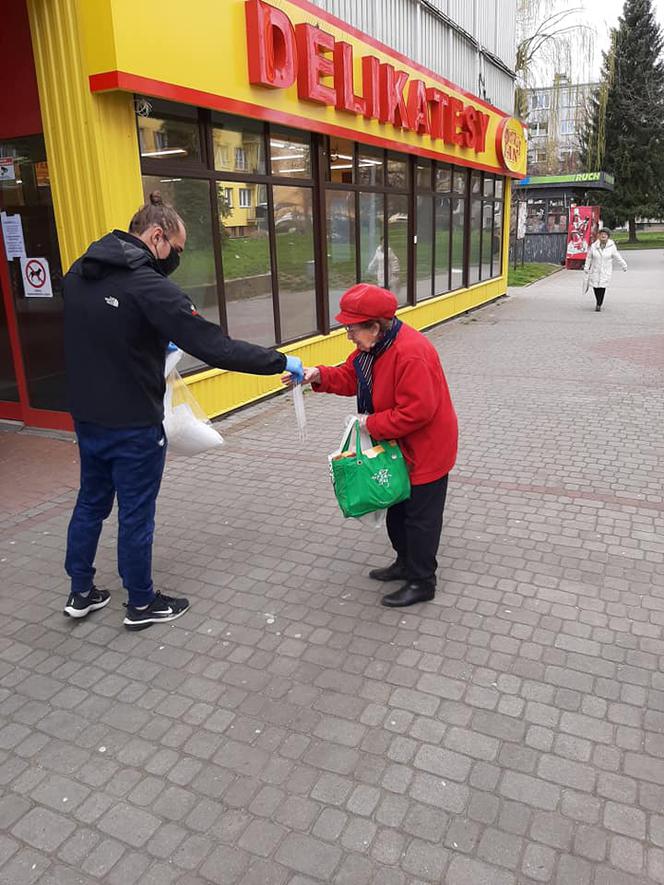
<point>79,606</point>
<point>161,609</point>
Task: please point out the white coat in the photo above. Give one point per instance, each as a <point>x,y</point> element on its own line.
<point>599,263</point>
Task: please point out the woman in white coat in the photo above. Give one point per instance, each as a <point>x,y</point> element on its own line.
<point>599,264</point>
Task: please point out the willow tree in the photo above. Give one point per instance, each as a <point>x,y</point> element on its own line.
<point>626,132</point>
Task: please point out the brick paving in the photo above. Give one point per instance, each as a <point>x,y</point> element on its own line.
<point>291,730</point>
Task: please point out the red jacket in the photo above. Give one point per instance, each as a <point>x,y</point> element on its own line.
<point>411,403</point>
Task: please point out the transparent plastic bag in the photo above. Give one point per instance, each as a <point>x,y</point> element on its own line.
<point>300,415</point>
<point>187,427</point>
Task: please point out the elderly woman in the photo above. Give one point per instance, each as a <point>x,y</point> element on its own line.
<point>402,394</point>
<point>599,264</point>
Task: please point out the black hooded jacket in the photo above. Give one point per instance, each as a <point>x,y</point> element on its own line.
<point>120,314</point>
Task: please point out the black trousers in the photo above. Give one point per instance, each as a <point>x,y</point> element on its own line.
<point>414,528</point>
<point>599,295</point>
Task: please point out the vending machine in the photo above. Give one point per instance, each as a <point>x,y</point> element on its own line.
<point>581,233</point>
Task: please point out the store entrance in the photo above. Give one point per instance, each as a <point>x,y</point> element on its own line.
<point>32,373</point>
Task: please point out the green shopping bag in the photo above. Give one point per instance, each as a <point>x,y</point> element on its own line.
<point>369,480</point>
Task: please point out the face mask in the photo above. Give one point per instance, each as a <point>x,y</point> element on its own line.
<point>169,264</point>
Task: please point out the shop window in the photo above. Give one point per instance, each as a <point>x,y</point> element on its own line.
<point>374,257</point>
<point>196,273</point>
<point>460,181</point>
<point>25,196</point>
<point>441,281</point>
<point>474,256</point>
<point>290,153</point>
<point>423,174</point>
<point>556,217</point>
<point>341,256</point>
<point>458,233</point>
<point>340,160</point>
<point>443,179</point>
<point>536,217</point>
<point>169,132</point>
<point>497,240</point>
<point>296,278</point>
<point>238,144</point>
<point>488,189</point>
<point>500,187</point>
<point>424,248</point>
<point>246,260</point>
<point>397,172</point>
<point>370,166</point>
<point>397,245</point>
<point>487,242</point>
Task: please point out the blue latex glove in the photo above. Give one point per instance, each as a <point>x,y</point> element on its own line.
<point>296,369</point>
<point>170,347</point>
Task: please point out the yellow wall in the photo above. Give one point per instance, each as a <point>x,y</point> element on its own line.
<point>90,139</point>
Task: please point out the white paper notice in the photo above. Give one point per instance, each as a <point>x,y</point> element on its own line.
<point>7,169</point>
<point>36,278</point>
<point>12,234</point>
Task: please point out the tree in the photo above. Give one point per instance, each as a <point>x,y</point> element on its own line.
<point>626,134</point>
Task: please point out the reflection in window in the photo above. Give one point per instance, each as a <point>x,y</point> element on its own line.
<point>423,174</point>
<point>340,160</point>
<point>458,242</point>
<point>475,235</point>
<point>294,235</point>
<point>397,244</point>
<point>372,245</point>
<point>196,273</point>
<point>488,186</point>
<point>370,165</point>
<point>290,153</point>
<point>443,179</point>
<point>238,144</point>
<point>175,138</point>
<point>460,181</point>
<point>487,233</point>
<point>341,271</point>
<point>497,241</point>
<point>245,251</point>
<point>424,247</point>
<point>397,172</point>
<point>442,250</point>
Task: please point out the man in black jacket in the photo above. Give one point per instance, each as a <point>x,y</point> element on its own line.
<point>121,311</point>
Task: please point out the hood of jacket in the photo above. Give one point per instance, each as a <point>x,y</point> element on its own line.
<point>115,251</point>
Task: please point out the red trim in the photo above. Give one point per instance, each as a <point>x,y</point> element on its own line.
<point>319,13</point>
<point>110,80</point>
<point>47,419</point>
<point>11,411</point>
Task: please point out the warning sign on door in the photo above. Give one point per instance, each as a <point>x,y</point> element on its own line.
<point>36,278</point>
<point>7,170</point>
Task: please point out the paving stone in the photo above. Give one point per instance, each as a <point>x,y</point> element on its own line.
<point>131,825</point>
<point>43,829</point>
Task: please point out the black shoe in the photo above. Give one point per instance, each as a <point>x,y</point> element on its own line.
<point>79,606</point>
<point>598,309</point>
<point>394,572</point>
<point>410,593</point>
<point>161,609</point>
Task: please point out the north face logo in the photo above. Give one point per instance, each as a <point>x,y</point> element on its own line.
<point>113,302</point>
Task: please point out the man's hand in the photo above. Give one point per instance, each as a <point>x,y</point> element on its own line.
<point>312,375</point>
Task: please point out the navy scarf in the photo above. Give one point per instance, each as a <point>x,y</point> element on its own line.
<point>363,364</point>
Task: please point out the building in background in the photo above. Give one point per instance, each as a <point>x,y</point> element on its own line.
<point>556,117</point>
<point>306,145</point>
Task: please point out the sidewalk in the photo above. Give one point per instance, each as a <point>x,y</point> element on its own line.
<point>289,729</point>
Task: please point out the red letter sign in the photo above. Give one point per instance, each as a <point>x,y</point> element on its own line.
<point>392,106</point>
<point>311,43</point>
<point>271,46</point>
<point>370,85</point>
<point>344,82</point>
<point>418,116</point>
<point>437,104</point>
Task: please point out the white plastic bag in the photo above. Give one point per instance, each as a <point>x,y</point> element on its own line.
<point>300,415</point>
<point>187,428</point>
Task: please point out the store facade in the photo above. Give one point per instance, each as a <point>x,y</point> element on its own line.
<point>303,155</point>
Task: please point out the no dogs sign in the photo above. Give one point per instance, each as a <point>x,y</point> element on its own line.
<point>36,278</point>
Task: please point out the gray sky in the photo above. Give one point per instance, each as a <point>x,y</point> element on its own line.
<point>603,14</point>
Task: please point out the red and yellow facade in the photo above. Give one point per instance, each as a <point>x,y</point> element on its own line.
<point>288,63</point>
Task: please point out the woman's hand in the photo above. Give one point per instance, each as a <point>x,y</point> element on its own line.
<point>312,375</point>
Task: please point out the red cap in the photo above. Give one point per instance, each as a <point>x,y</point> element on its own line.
<point>366,302</point>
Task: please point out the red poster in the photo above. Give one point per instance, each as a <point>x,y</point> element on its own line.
<point>581,232</point>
